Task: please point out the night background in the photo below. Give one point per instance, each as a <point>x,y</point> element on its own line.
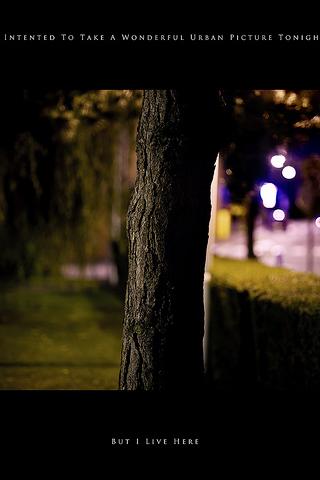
<point>67,171</point>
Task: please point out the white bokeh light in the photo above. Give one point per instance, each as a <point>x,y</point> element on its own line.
<point>289,172</point>
<point>268,193</point>
<point>278,161</point>
<point>279,215</point>
<point>317,222</point>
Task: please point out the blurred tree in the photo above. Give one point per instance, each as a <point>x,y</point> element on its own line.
<point>59,158</point>
<point>309,197</point>
<point>263,123</point>
<point>309,201</point>
<point>178,139</point>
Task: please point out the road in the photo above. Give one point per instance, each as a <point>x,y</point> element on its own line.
<point>276,248</point>
<point>286,248</point>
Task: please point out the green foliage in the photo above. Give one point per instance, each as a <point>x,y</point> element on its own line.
<point>265,329</point>
<point>57,189</point>
<point>264,122</point>
<point>292,290</point>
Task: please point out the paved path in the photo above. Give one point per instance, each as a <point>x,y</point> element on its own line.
<point>278,247</point>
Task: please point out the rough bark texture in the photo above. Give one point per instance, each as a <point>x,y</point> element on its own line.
<point>168,217</point>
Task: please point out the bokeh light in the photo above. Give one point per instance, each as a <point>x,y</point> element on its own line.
<point>278,161</point>
<point>317,222</point>
<point>279,215</point>
<point>268,193</point>
<point>289,172</point>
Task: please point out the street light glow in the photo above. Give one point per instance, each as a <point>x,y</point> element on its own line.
<point>268,193</point>
<point>278,161</point>
<point>317,222</point>
<point>289,172</point>
<point>279,215</point>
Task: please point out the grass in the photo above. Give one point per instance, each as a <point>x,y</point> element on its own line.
<point>59,334</point>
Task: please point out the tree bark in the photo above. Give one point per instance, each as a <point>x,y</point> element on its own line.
<point>168,218</point>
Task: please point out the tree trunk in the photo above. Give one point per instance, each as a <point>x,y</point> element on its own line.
<point>251,217</point>
<point>310,246</point>
<point>168,218</point>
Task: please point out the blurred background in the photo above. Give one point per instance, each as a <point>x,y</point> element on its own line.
<point>262,282</point>
<point>267,195</point>
<point>67,169</point>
